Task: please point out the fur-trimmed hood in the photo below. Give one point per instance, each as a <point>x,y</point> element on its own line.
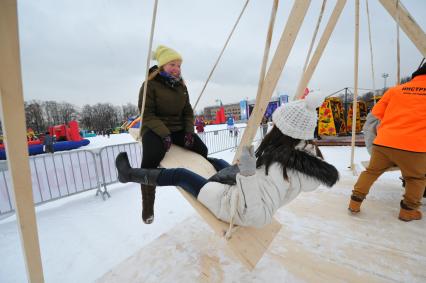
<point>308,164</point>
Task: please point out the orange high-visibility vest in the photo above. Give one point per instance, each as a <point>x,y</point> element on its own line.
<point>402,111</point>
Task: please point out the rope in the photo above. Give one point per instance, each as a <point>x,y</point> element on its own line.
<point>234,198</point>
<point>148,59</point>
<point>314,35</point>
<point>266,49</point>
<point>421,63</point>
<point>220,55</point>
<point>371,53</point>
<point>398,61</point>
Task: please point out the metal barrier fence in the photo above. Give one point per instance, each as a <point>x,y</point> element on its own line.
<point>67,173</point>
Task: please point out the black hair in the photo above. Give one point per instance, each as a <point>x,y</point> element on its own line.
<point>420,71</point>
<point>277,147</point>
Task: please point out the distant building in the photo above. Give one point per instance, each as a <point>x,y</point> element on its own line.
<point>233,109</point>
<point>243,109</point>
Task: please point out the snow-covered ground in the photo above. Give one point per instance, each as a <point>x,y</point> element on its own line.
<point>82,237</point>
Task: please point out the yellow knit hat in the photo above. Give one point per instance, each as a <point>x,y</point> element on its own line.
<point>164,55</point>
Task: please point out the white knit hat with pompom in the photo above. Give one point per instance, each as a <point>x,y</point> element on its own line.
<point>298,119</point>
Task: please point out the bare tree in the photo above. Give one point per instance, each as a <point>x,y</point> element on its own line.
<point>86,118</point>
<point>52,112</point>
<point>68,112</point>
<point>34,116</point>
<point>100,116</point>
<point>129,110</point>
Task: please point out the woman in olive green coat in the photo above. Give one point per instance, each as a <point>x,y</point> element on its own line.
<point>167,118</point>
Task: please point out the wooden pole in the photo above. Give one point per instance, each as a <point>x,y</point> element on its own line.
<point>407,24</point>
<point>307,75</point>
<point>355,103</point>
<point>13,117</point>
<point>294,22</point>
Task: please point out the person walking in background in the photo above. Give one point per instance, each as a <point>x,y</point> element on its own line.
<point>48,143</point>
<point>264,126</point>
<point>249,193</point>
<point>400,141</point>
<point>168,119</point>
<point>199,124</point>
<point>230,125</point>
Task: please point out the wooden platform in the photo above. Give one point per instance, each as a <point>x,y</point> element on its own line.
<point>319,242</point>
<point>340,140</point>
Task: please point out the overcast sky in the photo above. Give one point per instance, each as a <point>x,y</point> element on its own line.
<point>86,52</point>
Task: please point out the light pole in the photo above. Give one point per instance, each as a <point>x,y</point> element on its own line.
<point>385,76</point>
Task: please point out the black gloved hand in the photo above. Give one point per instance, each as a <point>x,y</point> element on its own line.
<point>167,142</point>
<point>189,140</point>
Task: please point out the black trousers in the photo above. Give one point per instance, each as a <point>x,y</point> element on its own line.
<point>153,148</point>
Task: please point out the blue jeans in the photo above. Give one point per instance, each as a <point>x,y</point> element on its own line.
<point>188,180</point>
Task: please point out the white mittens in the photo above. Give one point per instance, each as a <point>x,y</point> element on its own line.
<point>247,163</point>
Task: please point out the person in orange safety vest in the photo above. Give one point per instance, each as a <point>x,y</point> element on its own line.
<point>400,141</point>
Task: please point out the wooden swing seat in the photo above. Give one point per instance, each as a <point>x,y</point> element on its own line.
<point>248,244</point>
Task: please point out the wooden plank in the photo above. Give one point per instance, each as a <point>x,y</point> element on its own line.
<point>248,244</point>
<point>13,118</point>
<point>313,63</point>
<point>294,22</point>
<point>407,23</point>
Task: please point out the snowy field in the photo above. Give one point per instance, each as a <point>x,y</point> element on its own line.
<point>82,237</point>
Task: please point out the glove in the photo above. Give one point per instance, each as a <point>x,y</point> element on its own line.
<point>226,175</point>
<point>247,162</point>
<point>189,140</point>
<point>167,142</point>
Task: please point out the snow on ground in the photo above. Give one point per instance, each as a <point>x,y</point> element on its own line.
<point>82,237</point>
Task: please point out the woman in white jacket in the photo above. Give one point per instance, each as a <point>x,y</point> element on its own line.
<point>250,193</point>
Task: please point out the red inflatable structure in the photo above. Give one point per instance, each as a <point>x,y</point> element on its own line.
<point>220,116</point>
<point>64,133</point>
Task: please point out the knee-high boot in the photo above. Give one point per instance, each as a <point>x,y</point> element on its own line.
<point>137,175</point>
<point>146,177</point>
<point>148,200</point>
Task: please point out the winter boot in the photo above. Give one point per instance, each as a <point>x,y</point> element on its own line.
<point>123,167</point>
<point>355,204</point>
<point>408,214</point>
<point>138,175</point>
<point>148,200</point>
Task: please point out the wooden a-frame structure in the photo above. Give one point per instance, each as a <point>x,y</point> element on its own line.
<point>13,115</point>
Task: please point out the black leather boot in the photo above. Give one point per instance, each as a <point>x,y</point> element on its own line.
<point>138,175</point>
<point>148,200</point>
<point>123,167</point>
<point>144,176</point>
